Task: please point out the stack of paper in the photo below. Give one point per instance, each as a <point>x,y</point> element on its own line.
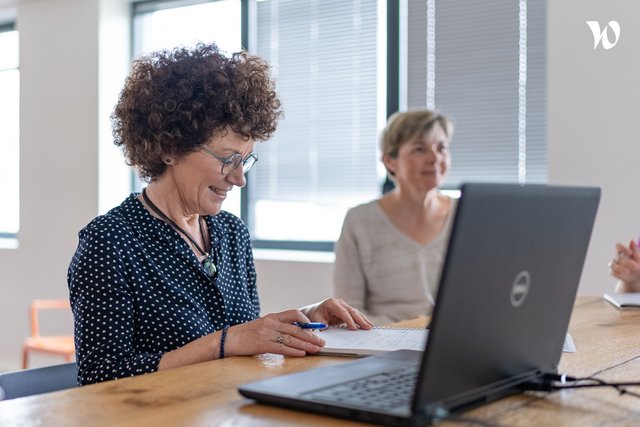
<point>344,342</point>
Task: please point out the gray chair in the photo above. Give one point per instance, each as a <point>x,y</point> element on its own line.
<point>38,380</point>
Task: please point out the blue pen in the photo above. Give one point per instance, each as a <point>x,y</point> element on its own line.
<point>310,325</point>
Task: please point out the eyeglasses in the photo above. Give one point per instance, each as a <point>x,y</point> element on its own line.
<point>229,164</point>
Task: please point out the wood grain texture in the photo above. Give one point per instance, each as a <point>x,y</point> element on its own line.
<point>607,341</point>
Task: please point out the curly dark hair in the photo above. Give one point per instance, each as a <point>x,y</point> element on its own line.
<point>174,101</point>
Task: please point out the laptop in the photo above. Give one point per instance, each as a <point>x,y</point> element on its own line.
<point>507,289</point>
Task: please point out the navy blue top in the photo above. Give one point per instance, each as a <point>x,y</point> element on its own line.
<point>137,289</point>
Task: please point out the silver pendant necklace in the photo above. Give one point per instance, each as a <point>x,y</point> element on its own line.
<point>207,263</point>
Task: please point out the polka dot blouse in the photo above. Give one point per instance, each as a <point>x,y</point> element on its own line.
<point>138,291</point>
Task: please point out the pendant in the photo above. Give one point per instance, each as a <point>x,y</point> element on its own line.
<point>209,267</point>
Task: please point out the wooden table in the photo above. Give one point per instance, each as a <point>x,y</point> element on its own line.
<point>607,340</point>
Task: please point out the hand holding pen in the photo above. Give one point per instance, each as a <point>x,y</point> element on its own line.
<point>290,332</point>
<point>310,325</point>
<point>276,333</point>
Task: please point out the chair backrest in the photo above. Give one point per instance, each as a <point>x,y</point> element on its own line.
<point>38,380</point>
<point>44,304</point>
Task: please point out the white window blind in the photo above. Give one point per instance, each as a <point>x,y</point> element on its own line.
<point>483,65</point>
<point>328,59</point>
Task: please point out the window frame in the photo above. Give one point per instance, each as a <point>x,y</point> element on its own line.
<point>4,235</point>
<point>7,26</point>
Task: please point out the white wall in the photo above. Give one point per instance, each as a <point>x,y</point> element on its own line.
<point>593,110</point>
<point>593,100</point>
<point>58,157</point>
<point>59,69</point>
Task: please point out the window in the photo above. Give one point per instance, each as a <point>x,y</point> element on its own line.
<point>167,24</point>
<point>483,64</point>
<point>341,67</point>
<point>329,62</point>
<point>9,133</point>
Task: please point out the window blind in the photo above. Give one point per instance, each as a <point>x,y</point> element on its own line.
<point>323,158</point>
<point>487,66</point>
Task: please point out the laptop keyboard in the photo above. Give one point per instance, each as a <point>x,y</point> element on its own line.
<point>386,391</point>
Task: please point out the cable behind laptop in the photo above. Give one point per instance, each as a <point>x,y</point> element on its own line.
<point>554,382</point>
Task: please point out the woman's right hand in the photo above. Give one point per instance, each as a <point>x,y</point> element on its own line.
<point>626,267</point>
<point>273,333</point>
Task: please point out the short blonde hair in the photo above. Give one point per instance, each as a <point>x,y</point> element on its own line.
<point>403,127</point>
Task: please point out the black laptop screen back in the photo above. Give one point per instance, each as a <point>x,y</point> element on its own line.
<point>507,290</point>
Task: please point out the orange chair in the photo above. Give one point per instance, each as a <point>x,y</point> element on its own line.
<point>47,344</point>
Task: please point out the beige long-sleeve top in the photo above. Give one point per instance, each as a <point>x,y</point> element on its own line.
<point>383,272</point>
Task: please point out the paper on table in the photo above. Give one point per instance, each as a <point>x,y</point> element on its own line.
<point>344,342</point>
<point>569,346</point>
<point>624,301</point>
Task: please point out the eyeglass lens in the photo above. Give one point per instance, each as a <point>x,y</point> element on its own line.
<point>236,160</point>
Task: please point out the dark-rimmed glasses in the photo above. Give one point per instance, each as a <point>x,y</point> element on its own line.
<point>229,164</point>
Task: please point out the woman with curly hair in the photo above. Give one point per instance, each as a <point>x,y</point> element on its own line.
<point>167,278</point>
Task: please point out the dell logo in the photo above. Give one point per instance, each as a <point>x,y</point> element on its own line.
<point>520,288</point>
<point>603,35</point>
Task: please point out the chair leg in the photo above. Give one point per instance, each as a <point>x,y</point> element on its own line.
<point>24,358</point>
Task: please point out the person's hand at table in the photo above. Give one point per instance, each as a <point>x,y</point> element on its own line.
<point>273,333</point>
<point>334,311</point>
<point>625,266</point>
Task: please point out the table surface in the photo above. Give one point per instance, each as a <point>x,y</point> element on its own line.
<point>607,341</point>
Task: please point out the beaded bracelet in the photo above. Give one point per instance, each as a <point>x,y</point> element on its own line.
<point>223,337</point>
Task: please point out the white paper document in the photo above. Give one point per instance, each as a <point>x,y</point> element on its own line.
<point>569,346</point>
<point>628,301</point>
<point>344,342</point>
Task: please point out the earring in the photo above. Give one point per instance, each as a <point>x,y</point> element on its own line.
<point>168,160</point>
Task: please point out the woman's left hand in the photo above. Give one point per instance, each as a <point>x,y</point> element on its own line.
<point>334,311</point>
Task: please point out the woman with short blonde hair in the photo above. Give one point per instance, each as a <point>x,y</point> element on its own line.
<point>390,251</point>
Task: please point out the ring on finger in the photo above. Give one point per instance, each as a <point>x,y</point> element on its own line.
<point>280,339</point>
